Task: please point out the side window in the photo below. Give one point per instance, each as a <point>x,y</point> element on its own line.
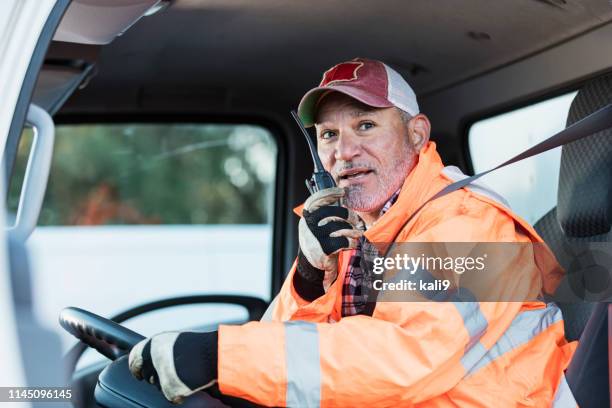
<point>136,213</point>
<point>530,186</point>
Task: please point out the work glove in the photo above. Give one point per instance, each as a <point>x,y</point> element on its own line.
<point>324,230</point>
<point>178,363</point>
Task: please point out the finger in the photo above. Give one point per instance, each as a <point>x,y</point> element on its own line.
<point>327,196</point>
<point>135,359</point>
<point>332,226</point>
<point>148,370</point>
<point>348,233</point>
<point>314,217</point>
<point>335,212</point>
<point>352,236</point>
<point>327,220</point>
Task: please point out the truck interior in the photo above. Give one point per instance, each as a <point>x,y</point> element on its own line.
<point>236,62</point>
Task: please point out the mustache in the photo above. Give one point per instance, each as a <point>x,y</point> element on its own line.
<point>338,168</point>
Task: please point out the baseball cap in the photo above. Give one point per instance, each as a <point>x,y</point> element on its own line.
<point>369,81</point>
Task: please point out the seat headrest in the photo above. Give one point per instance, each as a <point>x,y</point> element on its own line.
<point>584,201</point>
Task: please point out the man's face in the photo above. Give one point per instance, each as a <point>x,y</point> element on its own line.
<point>367,150</point>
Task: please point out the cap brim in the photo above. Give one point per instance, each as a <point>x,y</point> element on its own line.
<point>307,108</point>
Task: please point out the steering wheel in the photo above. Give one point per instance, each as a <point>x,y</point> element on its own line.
<point>113,340</point>
<point>109,338</point>
<point>116,387</point>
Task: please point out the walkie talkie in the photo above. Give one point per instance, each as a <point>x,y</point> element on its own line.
<point>320,179</point>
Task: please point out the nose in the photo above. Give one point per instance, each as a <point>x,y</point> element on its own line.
<point>347,147</point>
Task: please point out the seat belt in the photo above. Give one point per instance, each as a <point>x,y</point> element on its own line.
<point>595,122</point>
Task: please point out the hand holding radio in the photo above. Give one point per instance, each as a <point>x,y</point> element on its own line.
<point>324,230</point>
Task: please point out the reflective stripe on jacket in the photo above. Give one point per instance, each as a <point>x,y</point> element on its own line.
<point>469,354</point>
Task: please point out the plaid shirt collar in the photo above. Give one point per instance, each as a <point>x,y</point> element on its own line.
<point>390,202</point>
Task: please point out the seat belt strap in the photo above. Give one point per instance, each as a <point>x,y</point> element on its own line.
<point>595,122</point>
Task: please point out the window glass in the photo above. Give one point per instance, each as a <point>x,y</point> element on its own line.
<point>141,212</point>
<point>156,174</point>
<point>530,186</point>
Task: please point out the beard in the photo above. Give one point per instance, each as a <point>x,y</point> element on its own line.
<point>389,180</point>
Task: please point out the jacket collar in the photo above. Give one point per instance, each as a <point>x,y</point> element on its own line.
<point>417,188</point>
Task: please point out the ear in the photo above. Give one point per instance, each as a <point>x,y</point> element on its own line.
<point>419,128</point>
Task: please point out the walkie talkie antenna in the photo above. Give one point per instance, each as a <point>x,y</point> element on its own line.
<point>320,179</point>
<point>318,166</point>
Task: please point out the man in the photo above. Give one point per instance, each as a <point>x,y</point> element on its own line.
<point>327,341</point>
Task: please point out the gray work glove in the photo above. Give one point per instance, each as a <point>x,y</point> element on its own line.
<point>178,363</point>
<point>324,230</point>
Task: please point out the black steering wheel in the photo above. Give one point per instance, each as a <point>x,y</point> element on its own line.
<point>109,338</point>
<point>116,387</point>
<point>113,340</point>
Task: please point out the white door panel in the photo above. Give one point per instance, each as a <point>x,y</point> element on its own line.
<point>21,22</point>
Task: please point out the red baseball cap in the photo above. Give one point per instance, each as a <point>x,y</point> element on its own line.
<point>369,81</point>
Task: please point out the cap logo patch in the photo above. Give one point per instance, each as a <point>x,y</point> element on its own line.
<point>344,72</point>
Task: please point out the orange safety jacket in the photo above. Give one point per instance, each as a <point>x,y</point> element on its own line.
<point>413,354</point>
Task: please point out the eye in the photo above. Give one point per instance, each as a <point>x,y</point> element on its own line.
<point>366,125</point>
<point>327,134</point>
